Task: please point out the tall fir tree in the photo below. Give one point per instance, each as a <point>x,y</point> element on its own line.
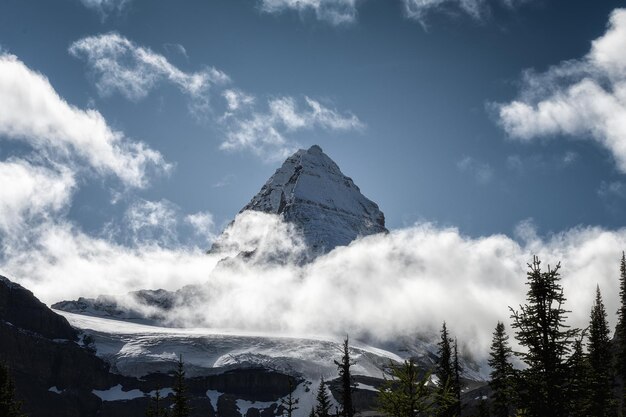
<point>290,403</point>
<point>343,366</point>
<point>541,329</point>
<point>180,407</point>
<point>502,373</point>
<point>322,407</point>
<point>621,336</point>
<point>601,402</point>
<point>445,371</point>
<point>9,406</point>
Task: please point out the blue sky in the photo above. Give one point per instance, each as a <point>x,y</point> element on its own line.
<point>412,97</point>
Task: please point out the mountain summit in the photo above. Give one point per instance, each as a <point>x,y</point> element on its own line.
<point>310,191</point>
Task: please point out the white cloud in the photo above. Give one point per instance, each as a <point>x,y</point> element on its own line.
<point>345,11</point>
<point>203,225</point>
<point>152,222</point>
<point>480,171</point>
<point>584,99</point>
<point>334,11</point>
<point>32,111</point>
<point>266,133</point>
<point>236,99</point>
<point>381,287</point>
<point>31,193</point>
<point>122,66</point>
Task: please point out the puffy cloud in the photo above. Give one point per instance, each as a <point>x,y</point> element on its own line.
<point>584,98</point>
<point>266,132</point>
<point>334,11</point>
<point>32,111</point>
<point>133,71</point>
<point>30,192</point>
<point>203,225</point>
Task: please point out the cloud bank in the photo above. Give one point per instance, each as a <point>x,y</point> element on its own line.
<point>582,99</point>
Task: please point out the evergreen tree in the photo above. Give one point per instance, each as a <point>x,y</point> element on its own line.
<point>457,379</point>
<point>156,409</point>
<point>601,403</point>
<point>621,335</point>
<point>579,381</point>
<point>9,406</point>
<point>541,329</point>
<point>347,408</point>
<point>502,372</point>
<point>312,413</point>
<point>322,409</point>
<point>290,404</point>
<point>408,395</point>
<point>483,408</point>
<point>445,371</point>
<point>181,402</point>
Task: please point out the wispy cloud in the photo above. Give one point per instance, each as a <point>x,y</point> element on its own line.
<point>121,66</point>
<point>267,132</point>
<point>584,98</point>
<point>106,7</point>
<point>482,172</point>
<point>338,12</point>
<point>333,11</point>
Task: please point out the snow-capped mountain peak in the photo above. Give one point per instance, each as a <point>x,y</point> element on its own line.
<point>310,191</point>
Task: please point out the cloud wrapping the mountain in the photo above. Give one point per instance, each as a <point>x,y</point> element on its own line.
<point>123,67</point>
<point>583,99</point>
<point>379,288</point>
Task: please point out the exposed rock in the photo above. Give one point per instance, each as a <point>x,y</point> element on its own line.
<point>310,191</point>
<point>20,308</point>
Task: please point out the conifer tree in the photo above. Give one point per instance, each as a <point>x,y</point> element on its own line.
<point>290,404</point>
<point>457,379</point>
<point>156,409</point>
<point>502,372</point>
<point>347,407</point>
<point>541,329</point>
<point>312,413</point>
<point>621,336</point>
<point>445,371</point>
<point>181,402</point>
<point>322,408</point>
<point>601,403</point>
<point>9,406</point>
<point>579,381</point>
<point>408,395</point>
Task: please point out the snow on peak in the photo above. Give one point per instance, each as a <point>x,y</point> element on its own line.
<point>310,191</point>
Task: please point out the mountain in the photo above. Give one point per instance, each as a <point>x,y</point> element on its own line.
<point>310,191</point>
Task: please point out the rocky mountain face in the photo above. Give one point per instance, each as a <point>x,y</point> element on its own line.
<point>310,191</point>
<point>59,372</point>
